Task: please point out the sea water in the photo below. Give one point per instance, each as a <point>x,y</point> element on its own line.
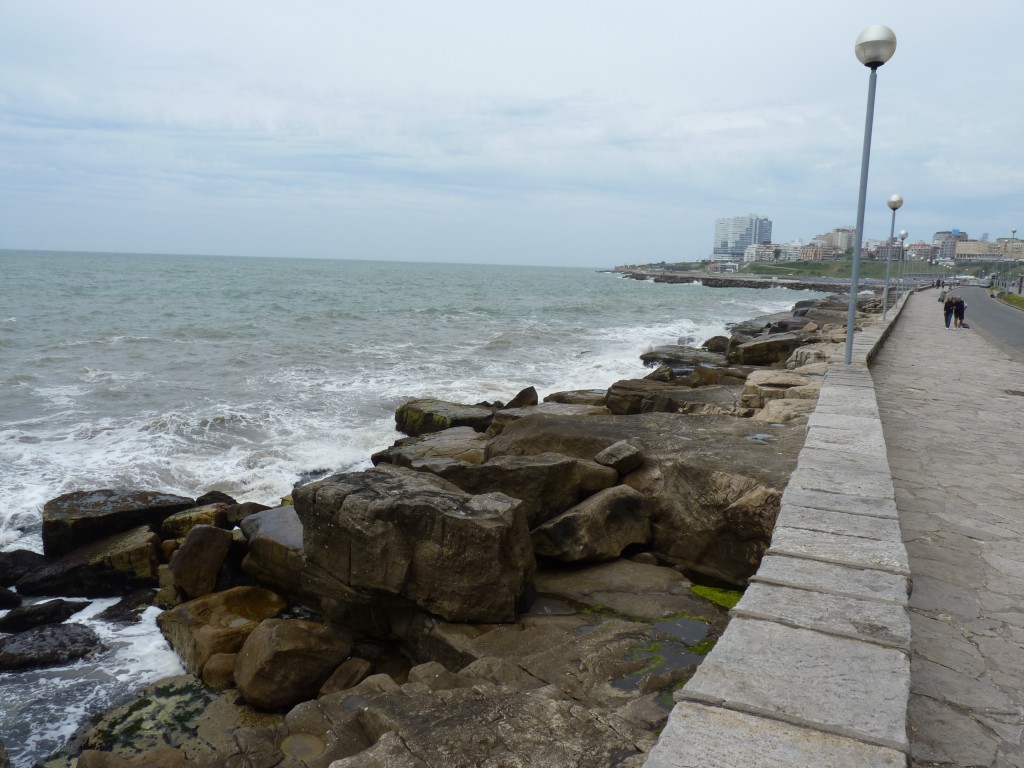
<point>188,374</point>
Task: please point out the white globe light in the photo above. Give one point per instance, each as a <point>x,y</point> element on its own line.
<point>875,45</point>
<point>895,202</point>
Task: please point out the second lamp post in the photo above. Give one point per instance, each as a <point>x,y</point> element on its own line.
<point>894,203</point>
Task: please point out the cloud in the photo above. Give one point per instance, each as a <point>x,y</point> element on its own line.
<point>593,123</point>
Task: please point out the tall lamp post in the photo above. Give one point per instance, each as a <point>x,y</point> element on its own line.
<point>895,202</point>
<point>874,46</point>
<point>901,270</point>
<point>1013,242</point>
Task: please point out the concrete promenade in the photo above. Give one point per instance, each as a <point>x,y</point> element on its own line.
<point>952,410</point>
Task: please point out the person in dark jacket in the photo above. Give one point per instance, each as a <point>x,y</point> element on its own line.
<point>947,310</point>
<point>959,308</point>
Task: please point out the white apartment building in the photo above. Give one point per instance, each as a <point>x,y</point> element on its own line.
<point>733,235</point>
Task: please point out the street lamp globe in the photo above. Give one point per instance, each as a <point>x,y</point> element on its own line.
<point>875,45</point>
<point>896,202</point>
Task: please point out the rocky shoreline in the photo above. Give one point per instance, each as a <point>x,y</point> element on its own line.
<point>731,281</point>
<point>511,583</point>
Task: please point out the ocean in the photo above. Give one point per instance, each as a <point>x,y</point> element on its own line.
<point>188,374</point>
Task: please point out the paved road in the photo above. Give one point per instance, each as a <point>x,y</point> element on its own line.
<point>952,408</point>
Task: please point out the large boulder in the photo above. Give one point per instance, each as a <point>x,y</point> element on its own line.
<point>75,519</point>
<point>418,417</point>
<point>285,661</point>
<point>274,554</point>
<point>770,349</point>
<point>404,534</point>
<point>546,484</point>
<point>599,528</point>
<point>457,443</point>
<point>198,560</point>
<point>630,396</point>
<point>109,567</point>
<point>217,623</point>
<point>48,645</point>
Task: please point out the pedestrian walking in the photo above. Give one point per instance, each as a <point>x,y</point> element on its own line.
<point>947,310</point>
<point>959,310</point>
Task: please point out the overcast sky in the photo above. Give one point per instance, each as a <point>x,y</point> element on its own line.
<point>572,132</point>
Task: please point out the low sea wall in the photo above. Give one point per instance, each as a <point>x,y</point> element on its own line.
<point>814,667</point>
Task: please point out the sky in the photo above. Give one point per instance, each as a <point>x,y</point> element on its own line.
<point>565,133</point>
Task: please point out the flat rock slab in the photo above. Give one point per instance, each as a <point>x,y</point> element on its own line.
<point>842,686</point>
<point>867,620</point>
<point>881,504</point>
<point>854,551</point>
<point>833,579</point>
<point>842,523</point>
<point>699,736</point>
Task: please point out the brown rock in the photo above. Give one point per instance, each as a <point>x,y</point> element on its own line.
<point>274,554</point>
<point>108,567</point>
<point>395,532</point>
<point>180,523</point>
<point>217,623</point>
<point>75,519</point>
<point>456,443</point>
<point>578,397</point>
<point>219,671</point>
<point>525,398</point>
<point>547,484</point>
<point>283,662</point>
<point>349,673</point>
<point>599,528</point>
<point>418,417</point>
<point>198,561</point>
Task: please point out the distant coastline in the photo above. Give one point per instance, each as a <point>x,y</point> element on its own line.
<point>828,284</point>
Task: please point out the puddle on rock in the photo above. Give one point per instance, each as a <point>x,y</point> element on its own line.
<point>668,658</point>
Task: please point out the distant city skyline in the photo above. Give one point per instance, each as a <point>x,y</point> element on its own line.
<point>577,133</point>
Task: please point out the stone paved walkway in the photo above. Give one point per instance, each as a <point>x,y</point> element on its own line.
<point>952,409</point>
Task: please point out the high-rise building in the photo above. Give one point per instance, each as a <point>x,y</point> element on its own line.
<point>733,235</point>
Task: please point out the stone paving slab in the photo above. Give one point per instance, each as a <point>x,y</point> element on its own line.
<point>833,579</point>
<point>849,429</point>
<point>881,504</point>
<point>836,461</point>
<point>700,736</point>
<point>842,686</point>
<point>854,551</point>
<point>854,396</point>
<point>867,620</point>
<point>842,523</point>
<point>839,479</point>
